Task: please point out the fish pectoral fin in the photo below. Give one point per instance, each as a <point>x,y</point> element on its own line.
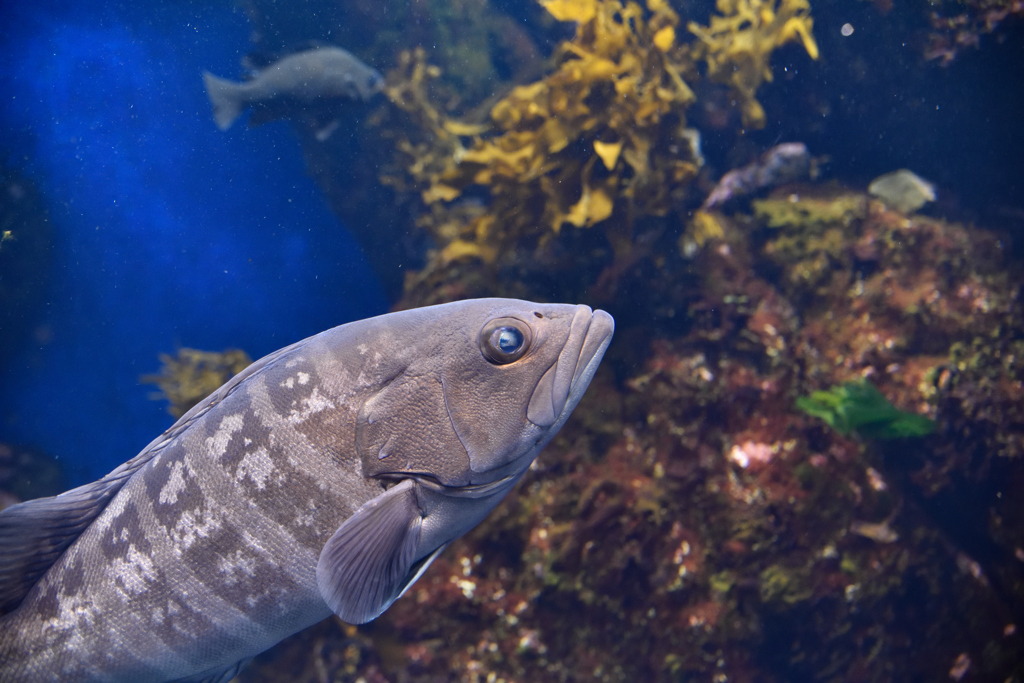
<point>367,563</point>
<point>418,569</point>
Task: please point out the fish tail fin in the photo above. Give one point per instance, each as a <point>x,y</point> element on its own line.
<point>225,98</point>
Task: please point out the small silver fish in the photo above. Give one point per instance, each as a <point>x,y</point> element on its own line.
<point>880,532</point>
<point>781,164</point>
<point>312,77</point>
<point>323,479</point>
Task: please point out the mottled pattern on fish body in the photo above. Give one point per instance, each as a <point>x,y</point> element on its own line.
<point>274,502</point>
<point>210,551</point>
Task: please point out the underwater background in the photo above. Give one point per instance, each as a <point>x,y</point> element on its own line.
<point>802,458</point>
<point>100,116</point>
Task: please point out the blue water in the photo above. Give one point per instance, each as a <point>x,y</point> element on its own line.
<point>167,231</point>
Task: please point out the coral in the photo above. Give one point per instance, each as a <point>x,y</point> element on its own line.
<point>738,44</point>
<point>192,375</point>
<point>858,407</point>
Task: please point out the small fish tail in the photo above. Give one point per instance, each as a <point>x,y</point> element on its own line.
<point>225,97</point>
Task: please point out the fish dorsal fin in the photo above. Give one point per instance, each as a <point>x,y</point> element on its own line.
<point>201,408</point>
<point>34,534</point>
<point>366,565</point>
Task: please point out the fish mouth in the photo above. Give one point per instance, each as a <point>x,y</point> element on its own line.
<point>561,387</point>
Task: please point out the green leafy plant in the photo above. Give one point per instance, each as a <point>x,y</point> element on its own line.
<point>860,407</point>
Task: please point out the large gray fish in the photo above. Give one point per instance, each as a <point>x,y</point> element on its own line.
<point>312,78</point>
<point>324,478</point>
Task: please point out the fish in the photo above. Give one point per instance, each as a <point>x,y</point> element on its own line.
<point>876,531</point>
<point>323,479</point>
<point>781,164</point>
<point>305,80</point>
<point>903,190</point>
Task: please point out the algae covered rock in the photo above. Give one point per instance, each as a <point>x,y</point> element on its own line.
<point>858,407</point>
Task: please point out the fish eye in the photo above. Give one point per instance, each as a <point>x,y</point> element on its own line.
<point>508,340</point>
<point>505,340</point>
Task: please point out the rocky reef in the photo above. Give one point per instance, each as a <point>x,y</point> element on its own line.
<point>692,523</point>
<point>799,460</point>
<point>957,26</point>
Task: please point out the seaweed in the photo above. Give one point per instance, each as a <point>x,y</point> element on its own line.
<point>858,407</point>
<point>602,139</point>
<point>739,42</point>
<point>193,375</point>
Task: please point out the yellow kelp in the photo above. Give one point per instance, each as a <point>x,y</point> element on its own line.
<point>193,375</point>
<point>435,147</point>
<point>600,139</point>
<point>572,147</point>
<point>738,45</point>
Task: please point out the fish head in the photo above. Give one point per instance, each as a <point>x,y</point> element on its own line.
<point>361,82</point>
<point>484,386</point>
<point>345,75</point>
<point>465,396</point>
<point>370,84</point>
<point>784,163</point>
